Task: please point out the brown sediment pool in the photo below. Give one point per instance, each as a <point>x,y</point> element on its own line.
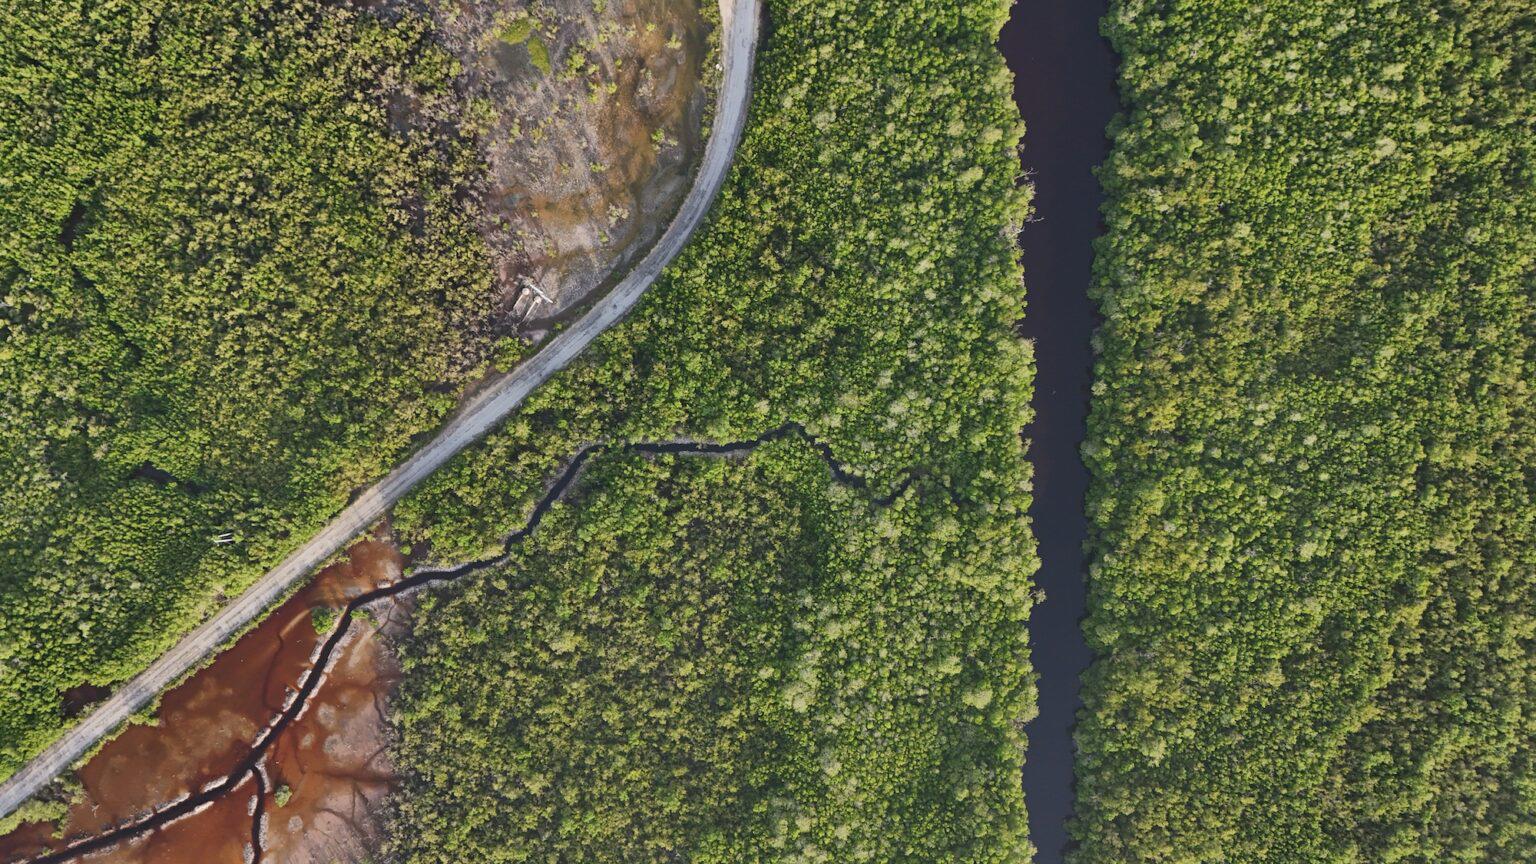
<point>333,760</point>
<point>218,834</point>
<point>328,765</point>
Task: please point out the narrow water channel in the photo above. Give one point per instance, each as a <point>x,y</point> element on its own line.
<point>1064,85</point>
<point>285,737</point>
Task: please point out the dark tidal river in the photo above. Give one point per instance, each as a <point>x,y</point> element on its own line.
<point>1064,85</point>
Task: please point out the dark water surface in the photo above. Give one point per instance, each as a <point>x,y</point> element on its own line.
<point>1064,85</point>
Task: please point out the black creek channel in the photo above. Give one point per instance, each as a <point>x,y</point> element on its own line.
<point>252,764</point>
<point>1064,84</point>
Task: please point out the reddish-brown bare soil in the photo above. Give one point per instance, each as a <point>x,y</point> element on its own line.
<point>334,757</point>
<point>331,758</point>
<point>585,162</point>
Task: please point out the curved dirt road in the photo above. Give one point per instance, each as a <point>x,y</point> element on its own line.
<point>739,33</point>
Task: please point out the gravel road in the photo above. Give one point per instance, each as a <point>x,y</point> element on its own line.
<point>740,20</point>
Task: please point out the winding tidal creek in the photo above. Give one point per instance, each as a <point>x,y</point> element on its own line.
<point>295,766</point>
<point>252,756</point>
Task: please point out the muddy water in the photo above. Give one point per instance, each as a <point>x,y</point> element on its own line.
<point>205,729</point>
<point>1064,86</point>
<point>218,834</point>
<point>77,699</point>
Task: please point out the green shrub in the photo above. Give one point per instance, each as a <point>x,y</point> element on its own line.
<point>538,53</point>
<point>229,294</point>
<point>1311,438</point>
<point>323,618</point>
<point>517,32</point>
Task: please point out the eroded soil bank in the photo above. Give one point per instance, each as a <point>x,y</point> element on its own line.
<point>320,779</point>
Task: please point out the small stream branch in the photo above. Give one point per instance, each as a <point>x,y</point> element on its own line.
<point>250,764</point>
<point>257,812</point>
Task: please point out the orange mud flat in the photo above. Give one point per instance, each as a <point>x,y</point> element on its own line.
<point>329,765</point>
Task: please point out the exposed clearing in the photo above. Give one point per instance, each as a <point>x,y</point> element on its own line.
<point>588,117</point>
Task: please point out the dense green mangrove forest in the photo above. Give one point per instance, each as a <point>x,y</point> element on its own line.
<point>230,292</point>
<point>1313,527</point>
<point>753,577</point>
<point>237,286</point>
<point>726,661</point>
